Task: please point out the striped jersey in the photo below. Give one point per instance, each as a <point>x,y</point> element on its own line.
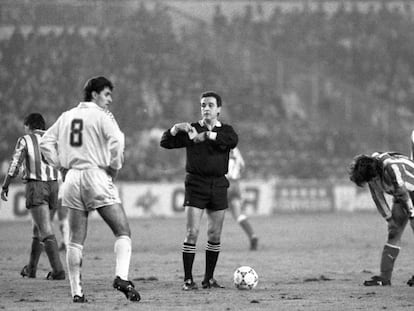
<point>27,156</point>
<point>236,164</point>
<point>397,180</point>
<point>84,137</point>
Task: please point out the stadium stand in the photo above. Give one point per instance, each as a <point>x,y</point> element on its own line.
<point>307,88</point>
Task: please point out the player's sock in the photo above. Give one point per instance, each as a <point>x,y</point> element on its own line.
<point>122,249</point>
<point>212,253</point>
<point>189,251</point>
<point>64,230</point>
<point>52,251</point>
<point>245,224</point>
<point>74,263</point>
<point>389,255</point>
<point>35,252</point>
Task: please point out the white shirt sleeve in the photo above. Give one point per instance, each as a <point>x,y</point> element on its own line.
<point>116,142</point>
<point>49,143</point>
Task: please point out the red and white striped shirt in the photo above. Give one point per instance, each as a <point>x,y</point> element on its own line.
<point>27,156</point>
<point>396,179</point>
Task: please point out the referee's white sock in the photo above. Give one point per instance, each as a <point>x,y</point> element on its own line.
<point>122,250</point>
<point>74,263</point>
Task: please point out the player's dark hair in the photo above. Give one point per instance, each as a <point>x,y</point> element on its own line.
<point>363,169</point>
<point>96,84</point>
<point>212,94</point>
<point>35,121</point>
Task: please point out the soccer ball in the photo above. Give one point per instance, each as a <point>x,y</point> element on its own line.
<point>245,278</point>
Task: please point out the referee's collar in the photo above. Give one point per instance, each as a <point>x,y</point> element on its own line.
<point>202,123</point>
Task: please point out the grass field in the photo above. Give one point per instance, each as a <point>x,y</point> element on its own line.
<point>304,262</point>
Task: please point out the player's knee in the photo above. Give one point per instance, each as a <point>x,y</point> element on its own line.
<point>214,235</point>
<point>394,234</point>
<point>192,235</point>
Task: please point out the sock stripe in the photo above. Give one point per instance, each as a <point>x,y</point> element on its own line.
<point>213,247</point>
<point>241,218</point>
<point>189,248</point>
<point>49,237</point>
<point>75,245</point>
<point>393,246</point>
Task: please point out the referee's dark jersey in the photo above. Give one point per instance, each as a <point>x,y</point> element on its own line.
<point>209,158</point>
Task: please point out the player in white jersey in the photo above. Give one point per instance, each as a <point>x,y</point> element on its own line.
<point>393,174</point>
<point>236,167</point>
<point>87,143</point>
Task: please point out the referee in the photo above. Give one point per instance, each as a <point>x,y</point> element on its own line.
<point>208,143</point>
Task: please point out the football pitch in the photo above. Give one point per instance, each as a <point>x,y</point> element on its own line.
<point>304,262</point>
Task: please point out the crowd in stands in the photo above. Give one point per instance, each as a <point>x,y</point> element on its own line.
<point>158,71</point>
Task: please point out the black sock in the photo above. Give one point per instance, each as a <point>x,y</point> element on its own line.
<point>35,252</point>
<point>189,251</point>
<point>389,255</point>
<point>52,251</point>
<point>212,253</point>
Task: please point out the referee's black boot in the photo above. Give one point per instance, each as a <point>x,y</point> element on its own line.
<point>377,281</point>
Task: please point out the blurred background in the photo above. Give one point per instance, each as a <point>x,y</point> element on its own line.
<point>306,84</point>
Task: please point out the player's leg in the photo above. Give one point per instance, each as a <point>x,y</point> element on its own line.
<point>35,252</point>
<point>41,218</point>
<point>392,248</point>
<point>410,282</point>
<point>78,225</point>
<point>62,212</point>
<point>235,205</point>
<point>193,219</point>
<point>114,215</point>
<point>215,220</point>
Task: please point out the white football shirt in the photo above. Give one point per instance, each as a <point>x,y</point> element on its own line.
<point>84,137</point>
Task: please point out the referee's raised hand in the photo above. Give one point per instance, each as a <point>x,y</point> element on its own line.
<point>181,127</point>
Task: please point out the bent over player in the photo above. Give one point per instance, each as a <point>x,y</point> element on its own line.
<point>208,143</point>
<point>87,142</point>
<point>387,173</point>
<point>41,195</point>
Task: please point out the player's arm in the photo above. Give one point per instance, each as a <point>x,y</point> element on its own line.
<point>225,138</point>
<point>397,175</point>
<point>177,136</point>
<point>19,155</point>
<point>403,195</point>
<point>49,144</point>
<point>380,201</point>
<point>116,144</point>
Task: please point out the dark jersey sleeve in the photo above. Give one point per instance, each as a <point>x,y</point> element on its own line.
<point>178,141</point>
<point>226,138</point>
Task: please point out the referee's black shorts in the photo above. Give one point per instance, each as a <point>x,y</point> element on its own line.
<point>206,192</point>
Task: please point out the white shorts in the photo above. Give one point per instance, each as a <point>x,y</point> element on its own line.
<point>89,189</point>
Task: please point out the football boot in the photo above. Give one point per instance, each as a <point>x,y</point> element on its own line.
<point>377,281</point>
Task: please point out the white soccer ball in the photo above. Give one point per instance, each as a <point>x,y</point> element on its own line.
<point>245,278</point>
